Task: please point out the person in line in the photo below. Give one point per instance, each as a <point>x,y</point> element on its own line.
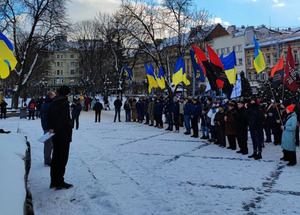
<point>219,122</point>
<point>175,113</point>
<point>31,108</point>
<point>76,109</point>
<point>255,122</point>
<point>127,108</point>
<point>60,123</point>
<point>3,109</point>
<point>188,107</point>
<point>98,107</point>
<point>157,112</point>
<point>150,111</point>
<point>118,105</point>
<point>140,110</point>
<point>241,123</point>
<point>195,114</point>
<point>48,144</point>
<point>230,126</point>
<point>134,114</point>
<point>288,136</point>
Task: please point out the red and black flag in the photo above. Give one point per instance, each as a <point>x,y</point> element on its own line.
<point>219,71</point>
<point>207,68</point>
<point>289,77</point>
<point>277,73</point>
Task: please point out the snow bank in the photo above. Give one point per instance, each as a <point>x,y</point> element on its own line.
<point>12,169</point>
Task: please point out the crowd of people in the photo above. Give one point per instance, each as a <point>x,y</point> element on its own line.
<point>225,123</point>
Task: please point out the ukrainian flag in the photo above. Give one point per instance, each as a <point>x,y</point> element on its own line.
<point>129,75</point>
<point>161,79</point>
<point>8,61</point>
<point>179,75</point>
<point>259,61</point>
<point>229,64</point>
<point>151,77</point>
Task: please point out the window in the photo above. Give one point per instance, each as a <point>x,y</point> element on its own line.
<point>249,61</point>
<point>61,56</point>
<point>268,59</point>
<point>296,56</point>
<point>240,61</point>
<point>274,58</point>
<point>57,56</point>
<point>72,72</point>
<point>228,50</point>
<point>72,56</point>
<point>61,72</point>
<point>57,72</point>
<point>223,50</point>
<point>61,64</point>
<point>249,76</point>
<point>72,64</point>
<point>240,48</point>
<point>57,63</point>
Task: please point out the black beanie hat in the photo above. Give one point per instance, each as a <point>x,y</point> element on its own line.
<point>64,90</point>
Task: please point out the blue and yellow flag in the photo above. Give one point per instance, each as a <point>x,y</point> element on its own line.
<point>259,61</point>
<point>161,79</point>
<point>229,64</point>
<point>8,61</point>
<point>198,71</point>
<point>179,74</point>
<point>129,75</point>
<point>151,77</point>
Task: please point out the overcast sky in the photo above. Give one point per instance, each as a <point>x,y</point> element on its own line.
<point>274,13</point>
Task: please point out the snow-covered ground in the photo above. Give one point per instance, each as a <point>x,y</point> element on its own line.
<point>133,169</point>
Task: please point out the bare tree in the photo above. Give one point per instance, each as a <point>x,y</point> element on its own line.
<point>33,25</point>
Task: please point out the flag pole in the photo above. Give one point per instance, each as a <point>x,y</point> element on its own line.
<point>275,103</point>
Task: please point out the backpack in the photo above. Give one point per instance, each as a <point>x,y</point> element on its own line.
<point>32,106</point>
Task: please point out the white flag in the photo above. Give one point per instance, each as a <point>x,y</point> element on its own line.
<point>237,89</point>
<point>207,87</point>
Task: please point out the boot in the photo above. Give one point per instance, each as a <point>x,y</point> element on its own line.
<point>253,155</point>
<point>258,156</point>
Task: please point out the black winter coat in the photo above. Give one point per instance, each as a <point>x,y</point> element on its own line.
<point>59,120</point>
<point>255,117</point>
<point>98,107</point>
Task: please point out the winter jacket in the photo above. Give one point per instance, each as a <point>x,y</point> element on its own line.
<point>98,107</point>
<point>134,111</point>
<point>3,106</point>
<point>230,127</point>
<point>31,105</point>
<point>76,109</point>
<point>150,108</point>
<point>188,107</point>
<point>140,107</point>
<point>118,104</point>
<point>127,106</point>
<point>255,117</point>
<point>146,104</point>
<point>158,108</point>
<point>175,108</point>
<point>241,121</point>
<point>196,110</point>
<point>59,120</point>
<point>219,119</point>
<point>288,135</point>
<point>45,113</point>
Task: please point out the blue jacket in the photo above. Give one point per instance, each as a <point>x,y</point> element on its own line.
<point>158,108</point>
<point>196,110</point>
<point>188,107</point>
<point>45,113</point>
<point>168,106</point>
<point>140,107</point>
<point>76,108</point>
<point>288,135</point>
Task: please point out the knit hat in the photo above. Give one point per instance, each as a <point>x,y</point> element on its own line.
<point>64,90</point>
<point>290,108</point>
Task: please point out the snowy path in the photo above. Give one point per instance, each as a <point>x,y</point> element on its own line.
<point>133,169</point>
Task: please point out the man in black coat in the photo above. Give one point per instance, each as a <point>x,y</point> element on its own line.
<point>118,105</point>
<point>3,109</point>
<point>97,108</point>
<point>60,123</point>
<point>76,109</point>
<point>48,144</point>
<point>241,127</point>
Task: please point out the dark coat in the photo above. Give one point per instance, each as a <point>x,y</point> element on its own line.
<point>76,109</point>
<point>175,108</point>
<point>118,104</point>
<point>45,113</point>
<point>255,117</point>
<point>31,105</point>
<point>3,106</point>
<point>59,120</point>
<point>158,108</point>
<point>98,107</point>
<point>140,107</point>
<point>219,119</point>
<point>196,110</point>
<point>188,107</point>
<point>230,127</point>
<point>241,120</point>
